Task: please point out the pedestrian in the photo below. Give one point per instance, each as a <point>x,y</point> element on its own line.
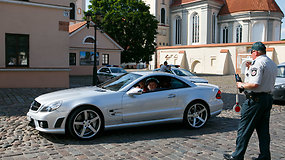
<point>255,113</point>
<point>165,67</point>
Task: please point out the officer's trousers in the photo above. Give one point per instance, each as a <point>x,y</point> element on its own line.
<point>255,114</point>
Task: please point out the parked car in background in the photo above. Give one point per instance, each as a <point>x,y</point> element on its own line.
<point>85,112</point>
<point>106,73</point>
<point>186,74</point>
<point>279,87</point>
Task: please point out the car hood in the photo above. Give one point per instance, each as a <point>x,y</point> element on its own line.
<point>196,79</point>
<point>73,93</point>
<point>279,80</point>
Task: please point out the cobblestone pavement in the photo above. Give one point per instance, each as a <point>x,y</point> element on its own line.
<point>167,141</point>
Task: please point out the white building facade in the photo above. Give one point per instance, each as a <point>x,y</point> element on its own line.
<point>194,22</point>
<point>214,36</point>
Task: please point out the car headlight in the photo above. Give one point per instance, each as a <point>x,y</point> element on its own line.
<point>281,86</point>
<point>51,107</point>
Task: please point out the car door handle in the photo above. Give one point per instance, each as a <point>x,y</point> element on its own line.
<point>171,96</point>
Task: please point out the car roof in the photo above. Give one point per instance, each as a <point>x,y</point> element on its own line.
<point>111,67</point>
<point>143,73</point>
<point>281,64</point>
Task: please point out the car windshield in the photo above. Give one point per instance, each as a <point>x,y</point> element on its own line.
<point>119,82</point>
<point>182,72</point>
<point>118,70</point>
<point>281,71</point>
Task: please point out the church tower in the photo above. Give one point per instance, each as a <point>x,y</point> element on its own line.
<point>77,12</point>
<point>161,10</point>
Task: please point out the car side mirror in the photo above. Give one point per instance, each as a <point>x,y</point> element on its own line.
<point>135,91</point>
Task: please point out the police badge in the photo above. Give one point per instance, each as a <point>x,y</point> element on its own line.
<point>253,71</point>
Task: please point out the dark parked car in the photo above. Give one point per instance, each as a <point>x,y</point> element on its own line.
<point>279,87</point>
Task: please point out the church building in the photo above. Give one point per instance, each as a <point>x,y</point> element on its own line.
<point>194,22</point>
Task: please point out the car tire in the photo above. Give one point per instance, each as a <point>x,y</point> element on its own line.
<point>85,123</point>
<point>196,115</point>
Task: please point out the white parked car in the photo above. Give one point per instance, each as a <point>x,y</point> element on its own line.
<point>85,112</point>
<point>186,74</point>
<point>279,86</point>
<point>107,73</point>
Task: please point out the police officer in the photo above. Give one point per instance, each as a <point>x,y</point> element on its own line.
<point>255,111</point>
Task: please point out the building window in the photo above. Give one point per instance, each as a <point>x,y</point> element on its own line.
<point>178,31</point>
<point>239,34</point>
<point>17,50</point>
<point>105,59</point>
<point>162,15</point>
<point>72,11</point>
<point>225,35</point>
<point>213,28</point>
<point>195,34</point>
<point>72,59</point>
<point>89,40</point>
<point>87,58</point>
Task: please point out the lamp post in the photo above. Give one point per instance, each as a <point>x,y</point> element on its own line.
<point>98,17</point>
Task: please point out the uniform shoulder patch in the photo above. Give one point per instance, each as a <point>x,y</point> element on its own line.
<point>253,71</point>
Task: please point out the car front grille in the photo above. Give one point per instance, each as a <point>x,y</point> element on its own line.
<point>35,105</point>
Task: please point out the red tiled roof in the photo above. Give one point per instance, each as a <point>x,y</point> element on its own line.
<point>180,2</point>
<point>76,26</point>
<point>232,6</point>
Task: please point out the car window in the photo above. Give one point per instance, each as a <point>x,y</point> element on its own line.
<point>183,72</point>
<point>106,70</point>
<point>118,70</point>
<point>163,83</point>
<point>281,71</point>
<point>175,84</point>
<point>119,82</point>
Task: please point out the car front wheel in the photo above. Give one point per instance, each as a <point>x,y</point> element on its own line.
<point>196,115</point>
<point>85,123</point>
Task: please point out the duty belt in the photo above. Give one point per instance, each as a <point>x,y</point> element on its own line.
<point>254,95</point>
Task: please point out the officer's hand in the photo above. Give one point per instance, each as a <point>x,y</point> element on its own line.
<point>247,64</point>
<point>239,84</point>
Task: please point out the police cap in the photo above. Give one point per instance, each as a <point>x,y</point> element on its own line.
<point>258,46</point>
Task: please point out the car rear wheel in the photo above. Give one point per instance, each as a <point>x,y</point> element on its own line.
<point>196,115</point>
<point>85,123</point>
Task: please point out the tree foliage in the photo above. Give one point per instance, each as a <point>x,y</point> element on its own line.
<point>130,23</point>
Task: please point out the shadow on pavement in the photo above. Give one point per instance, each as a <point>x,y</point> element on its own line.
<point>215,126</point>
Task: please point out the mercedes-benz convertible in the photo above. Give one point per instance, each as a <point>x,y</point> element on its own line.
<point>126,100</point>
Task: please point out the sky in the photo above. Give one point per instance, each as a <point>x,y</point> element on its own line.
<point>281,4</point>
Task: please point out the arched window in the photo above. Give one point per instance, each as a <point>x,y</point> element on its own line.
<point>239,34</point>
<point>88,40</point>
<point>162,16</point>
<point>72,11</point>
<point>178,31</point>
<point>258,32</point>
<point>195,34</point>
<point>213,28</point>
<point>225,35</point>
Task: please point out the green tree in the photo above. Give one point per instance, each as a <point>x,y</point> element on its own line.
<point>130,23</point>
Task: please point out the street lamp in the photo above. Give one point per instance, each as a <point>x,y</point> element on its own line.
<point>98,17</point>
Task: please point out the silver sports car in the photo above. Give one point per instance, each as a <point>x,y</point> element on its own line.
<point>132,99</point>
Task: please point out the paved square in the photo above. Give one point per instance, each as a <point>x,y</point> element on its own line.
<point>167,141</point>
